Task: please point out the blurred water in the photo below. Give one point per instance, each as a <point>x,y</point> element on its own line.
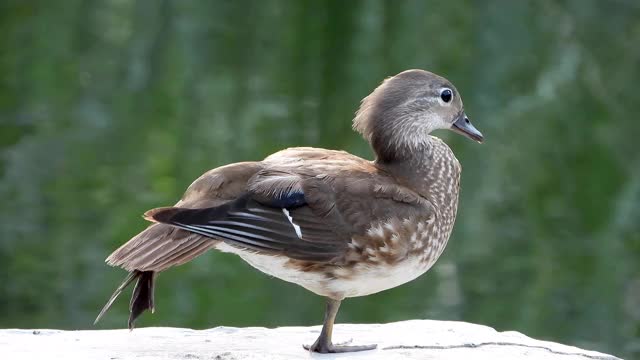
<point>109,108</point>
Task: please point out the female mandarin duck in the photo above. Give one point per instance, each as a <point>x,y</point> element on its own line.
<point>331,222</point>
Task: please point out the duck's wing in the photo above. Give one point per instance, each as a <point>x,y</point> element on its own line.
<point>161,246</point>
<point>254,226</point>
<point>307,211</point>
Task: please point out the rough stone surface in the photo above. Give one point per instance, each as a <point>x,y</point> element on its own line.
<point>416,339</point>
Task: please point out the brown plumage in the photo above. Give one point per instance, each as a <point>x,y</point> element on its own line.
<point>334,223</point>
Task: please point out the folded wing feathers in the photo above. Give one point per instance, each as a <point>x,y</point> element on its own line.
<point>245,241</point>
<point>249,224</point>
<point>275,184</point>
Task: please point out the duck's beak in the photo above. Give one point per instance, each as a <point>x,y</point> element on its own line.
<point>463,126</point>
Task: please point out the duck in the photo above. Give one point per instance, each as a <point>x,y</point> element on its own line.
<point>334,223</point>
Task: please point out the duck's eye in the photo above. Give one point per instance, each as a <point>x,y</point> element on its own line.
<point>446,95</point>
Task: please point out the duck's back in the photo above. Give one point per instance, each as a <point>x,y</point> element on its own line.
<point>307,160</point>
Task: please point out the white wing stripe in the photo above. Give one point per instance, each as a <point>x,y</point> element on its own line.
<point>295,226</point>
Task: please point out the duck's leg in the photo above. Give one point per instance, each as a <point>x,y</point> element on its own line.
<point>323,344</point>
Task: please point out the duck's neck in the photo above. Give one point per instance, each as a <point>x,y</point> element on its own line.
<point>432,171</point>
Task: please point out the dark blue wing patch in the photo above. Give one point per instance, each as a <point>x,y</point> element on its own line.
<point>287,200</point>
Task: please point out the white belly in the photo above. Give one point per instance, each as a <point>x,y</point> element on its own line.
<point>362,280</point>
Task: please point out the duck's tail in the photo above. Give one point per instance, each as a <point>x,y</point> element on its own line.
<point>141,299</point>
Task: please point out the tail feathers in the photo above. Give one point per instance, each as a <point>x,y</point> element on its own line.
<point>141,299</point>
<point>128,280</point>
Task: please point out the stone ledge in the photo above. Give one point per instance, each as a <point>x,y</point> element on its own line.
<point>414,339</point>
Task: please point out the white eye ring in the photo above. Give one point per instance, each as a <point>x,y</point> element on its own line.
<point>446,95</point>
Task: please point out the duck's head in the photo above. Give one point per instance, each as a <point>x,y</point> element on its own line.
<point>398,116</point>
